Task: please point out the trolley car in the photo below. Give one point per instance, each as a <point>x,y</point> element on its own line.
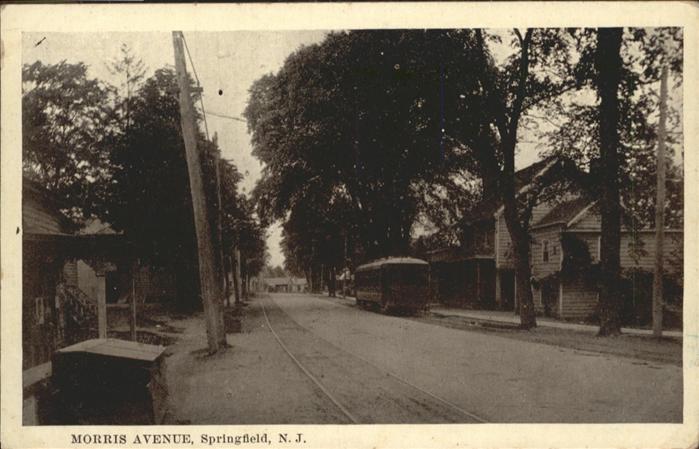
<point>393,283</point>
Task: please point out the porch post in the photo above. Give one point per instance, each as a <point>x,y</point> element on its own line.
<point>515,294</point>
<point>560,298</point>
<point>498,293</point>
<point>238,285</point>
<point>478,281</point>
<point>135,274</point>
<point>101,303</point>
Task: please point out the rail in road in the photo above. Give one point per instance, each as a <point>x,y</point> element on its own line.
<point>360,389</point>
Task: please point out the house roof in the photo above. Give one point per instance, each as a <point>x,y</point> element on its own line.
<point>49,200</point>
<point>392,261</point>
<point>31,187</point>
<point>284,281</point>
<point>564,212</point>
<point>97,226</point>
<point>490,205</point>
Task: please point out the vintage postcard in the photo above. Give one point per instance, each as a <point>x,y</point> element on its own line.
<point>371,225</point>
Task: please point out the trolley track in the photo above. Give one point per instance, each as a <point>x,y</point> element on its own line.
<point>363,391</point>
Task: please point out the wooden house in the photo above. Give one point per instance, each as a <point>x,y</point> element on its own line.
<point>480,273</point>
<point>574,225</point>
<point>42,269</point>
<point>55,311</point>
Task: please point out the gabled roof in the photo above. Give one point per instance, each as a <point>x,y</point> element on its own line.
<point>97,226</point>
<point>564,212</point>
<point>284,281</point>
<point>392,261</point>
<point>52,203</point>
<point>523,178</point>
<point>34,188</point>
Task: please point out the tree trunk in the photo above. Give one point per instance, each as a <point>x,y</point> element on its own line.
<point>519,234</point>
<point>507,125</point>
<point>608,63</point>
<point>331,282</point>
<point>227,281</point>
<point>315,279</point>
<point>523,272</point>
<point>235,267</point>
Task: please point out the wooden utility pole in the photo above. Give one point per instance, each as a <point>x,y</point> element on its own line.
<point>660,212</point>
<point>219,220</point>
<point>235,257</point>
<point>210,285</point>
<point>101,302</point>
<point>134,298</point>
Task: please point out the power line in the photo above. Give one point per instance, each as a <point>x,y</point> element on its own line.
<point>230,117</point>
<point>200,89</point>
<point>201,96</point>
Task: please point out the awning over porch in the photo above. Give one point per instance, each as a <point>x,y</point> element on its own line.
<point>84,245</point>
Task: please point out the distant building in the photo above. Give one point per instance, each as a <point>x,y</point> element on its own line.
<point>284,285</point>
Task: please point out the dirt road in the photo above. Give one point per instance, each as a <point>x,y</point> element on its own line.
<point>499,379</point>
<point>304,359</point>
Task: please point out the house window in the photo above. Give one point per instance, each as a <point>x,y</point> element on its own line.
<point>545,248</point>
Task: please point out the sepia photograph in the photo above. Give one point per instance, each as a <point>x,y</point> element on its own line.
<point>349,226</point>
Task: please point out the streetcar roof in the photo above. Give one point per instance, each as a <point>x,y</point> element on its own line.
<point>392,261</point>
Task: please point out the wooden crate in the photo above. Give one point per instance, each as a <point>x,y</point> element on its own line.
<point>107,381</point>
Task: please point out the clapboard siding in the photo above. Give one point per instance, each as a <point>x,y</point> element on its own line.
<point>579,300</point>
<point>552,234</point>
<point>589,220</point>
<point>644,257</point>
<point>504,243</point>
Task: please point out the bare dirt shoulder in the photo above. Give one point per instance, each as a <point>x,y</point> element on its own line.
<point>642,348</point>
<point>251,382</point>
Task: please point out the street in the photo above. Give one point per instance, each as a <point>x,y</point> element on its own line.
<point>327,361</point>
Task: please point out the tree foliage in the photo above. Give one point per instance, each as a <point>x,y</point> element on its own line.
<point>68,126</point>
<point>353,135</point>
<point>576,133</point>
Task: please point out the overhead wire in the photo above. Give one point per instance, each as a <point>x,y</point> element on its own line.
<point>230,117</point>
<point>200,89</point>
<point>201,99</point>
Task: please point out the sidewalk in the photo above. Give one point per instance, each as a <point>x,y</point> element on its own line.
<point>511,318</point>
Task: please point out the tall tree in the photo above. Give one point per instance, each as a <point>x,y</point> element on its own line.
<point>578,133</point>
<point>131,70</point>
<point>68,128</point>
<point>537,72</point>
<point>149,197</point>
<point>608,64</point>
<point>359,120</point>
